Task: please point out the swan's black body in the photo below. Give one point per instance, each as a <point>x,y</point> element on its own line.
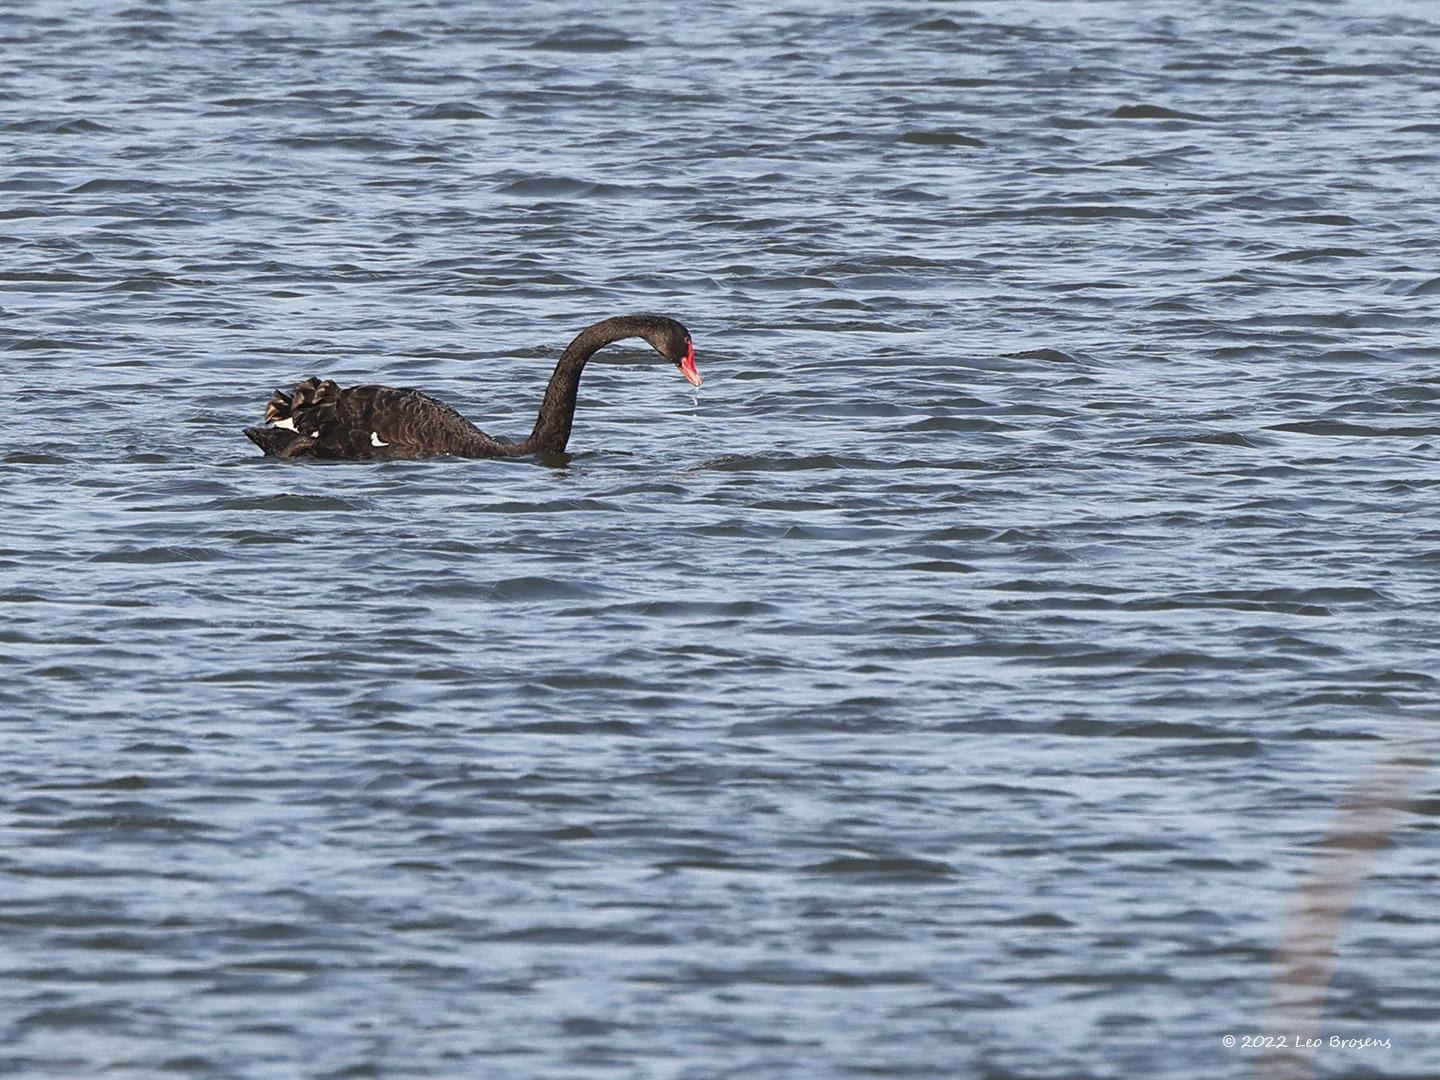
<point>319,419</point>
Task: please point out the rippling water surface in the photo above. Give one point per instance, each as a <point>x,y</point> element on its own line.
<point>959,684</point>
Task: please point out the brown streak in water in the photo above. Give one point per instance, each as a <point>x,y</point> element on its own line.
<point>1310,946</point>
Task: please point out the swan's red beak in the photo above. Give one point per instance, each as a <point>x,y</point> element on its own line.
<point>687,366</point>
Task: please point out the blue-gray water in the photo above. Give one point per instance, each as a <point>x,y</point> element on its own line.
<point>958,685</point>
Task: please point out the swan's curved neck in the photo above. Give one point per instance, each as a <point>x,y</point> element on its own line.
<point>557,411</point>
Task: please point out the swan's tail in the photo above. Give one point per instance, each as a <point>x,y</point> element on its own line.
<point>296,418</point>
<point>278,407</point>
<point>313,393</point>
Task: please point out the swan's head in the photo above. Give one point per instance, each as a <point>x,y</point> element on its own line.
<point>672,341</point>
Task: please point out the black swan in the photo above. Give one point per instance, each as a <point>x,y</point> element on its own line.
<point>321,420</point>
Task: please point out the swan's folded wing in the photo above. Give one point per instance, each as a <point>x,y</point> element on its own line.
<point>387,421</point>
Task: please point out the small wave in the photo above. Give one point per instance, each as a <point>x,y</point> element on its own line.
<point>1319,219</point>
<point>1362,431</point>
<point>939,138</point>
<point>913,194</point>
<point>117,185</point>
<point>357,143</point>
<point>450,110</point>
<point>1095,211</point>
<point>546,186</point>
<point>895,867</point>
<point>76,125</point>
<point>393,36</point>
<point>1353,70</point>
<point>941,566</point>
<point>287,503</point>
<point>1049,356</point>
<point>153,555</point>
<point>775,463</point>
<point>1157,112</point>
<point>585,39</point>
<point>939,26</point>
<point>622,728</point>
<point>29,457</point>
<point>1204,438</point>
<point>532,587</point>
<point>1316,601</point>
<point>1241,749</point>
<point>1307,255</point>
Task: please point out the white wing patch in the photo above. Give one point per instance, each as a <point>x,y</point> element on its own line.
<point>375,439</point>
<point>288,423</point>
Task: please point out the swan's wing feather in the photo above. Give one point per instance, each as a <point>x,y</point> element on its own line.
<point>373,421</point>
<point>386,421</point>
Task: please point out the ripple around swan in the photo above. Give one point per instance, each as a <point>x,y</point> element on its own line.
<point>986,647</point>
